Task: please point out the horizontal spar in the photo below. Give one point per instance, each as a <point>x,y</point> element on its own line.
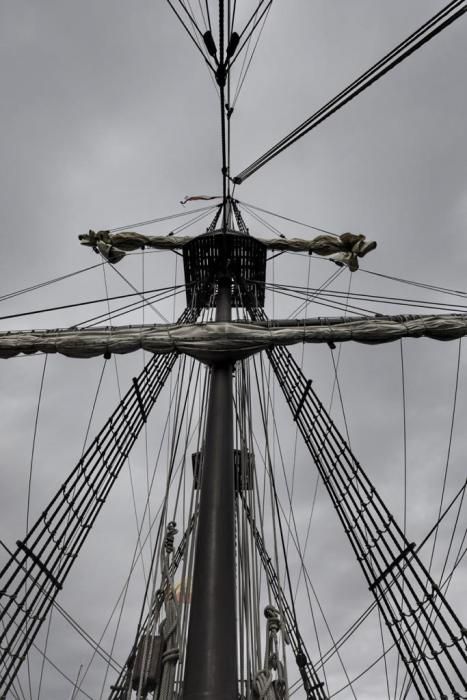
<point>344,249</point>
<point>209,342</point>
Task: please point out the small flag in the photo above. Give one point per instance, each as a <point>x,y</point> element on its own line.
<point>196,197</point>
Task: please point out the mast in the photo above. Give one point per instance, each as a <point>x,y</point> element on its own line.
<point>211,672</point>
<point>211,657</point>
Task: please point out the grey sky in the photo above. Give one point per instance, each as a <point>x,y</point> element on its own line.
<point>108,117</point>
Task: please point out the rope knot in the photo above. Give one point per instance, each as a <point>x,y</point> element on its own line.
<point>273,617</point>
<point>170,537</point>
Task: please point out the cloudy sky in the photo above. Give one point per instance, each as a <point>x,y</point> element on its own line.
<point>109,117</point>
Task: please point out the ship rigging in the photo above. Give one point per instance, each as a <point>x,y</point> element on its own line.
<point>220,617</point>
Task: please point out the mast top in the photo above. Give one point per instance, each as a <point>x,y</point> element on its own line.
<point>232,254</point>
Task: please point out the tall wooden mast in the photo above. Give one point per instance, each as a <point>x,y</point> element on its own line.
<point>211,672</point>
<point>214,263</point>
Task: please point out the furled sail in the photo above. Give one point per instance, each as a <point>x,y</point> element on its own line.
<point>345,249</point>
<point>210,341</point>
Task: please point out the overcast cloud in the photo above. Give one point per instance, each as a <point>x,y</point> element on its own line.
<point>108,116</point>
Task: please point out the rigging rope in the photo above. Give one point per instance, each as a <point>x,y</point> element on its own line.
<point>244,70</point>
<point>286,218</point>
<point>446,467</point>
<point>52,538</point>
<point>147,222</point>
<point>423,285</point>
<point>125,309</point>
<point>406,680</point>
<point>256,23</point>
<point>453,11</point>
<point>296,538</point>
<point>45,652</point>
<point>294,460</point>
<point>443,584</point>
<point>305,292</point>
<point>363,616</point>
<point>140,294</point>
<point>153,598</point>
<point>77,627</point>
<point>127,460</point>
<point>101,300</point>
<point>318,292</point>
<point>36,421</point>
<point>142,627</point>
<point>39,285</point>
<point>332,301</point>
<point>187,29</point>
<point>358,511</point>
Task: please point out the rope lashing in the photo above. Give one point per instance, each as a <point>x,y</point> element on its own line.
<point>168,631</point>
<point>170,537</point>
<point>169,627</point>
<point>270,681</point>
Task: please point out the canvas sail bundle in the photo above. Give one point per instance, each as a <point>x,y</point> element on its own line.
<point>213,341</point>
<point>345,249</point>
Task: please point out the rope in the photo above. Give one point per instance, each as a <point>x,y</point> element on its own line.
<point>435,530</point>
<point>36,421</point>
<point>140,294</point>
<point>446,467</point>
<point>287,218</point>
<point>248,560</point>
<point>337,383</point>
<point>126,309</point>
<point>185,26</point>
<point>151,618</point>
<point>387,540</point>
<point>454,10</point>
<point>413,283</point>
<point>298,292</point>
<point>294,461</point>
<point>445,585</point>
<point>171,653</point>
<point>318,292</point>
<point>136,557</point>
<point>138,224</point>
<point>76,626</point>
<point>325,658</point>
<point>275,501</point>
<point>244,71</point>
<point>317,299</point>
<point>39,285</point>
<point>188,562</point>
<point>49,622</point>
<point>87,303</point>
<point>258,20</point>
<point>138,526</point>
